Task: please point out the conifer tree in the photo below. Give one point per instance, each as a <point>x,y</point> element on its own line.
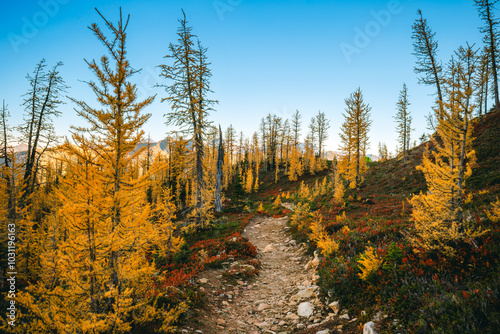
<point>296,126</point>
<point>295,169</point>
<point>41,104</point>
<point>219,174</point>
<point>249,181</point>
<point>425,49</point>
<point>354,135</point>
<point>403,122</point>
<point>483,78</point>
<point>188,92</point>
<point>5,158</point>
<point>490,30</point>
<point>438,213</point>
<point>338,186</point>
<point>322,127</point>
<point>382,151</point>
<point>95,275</point>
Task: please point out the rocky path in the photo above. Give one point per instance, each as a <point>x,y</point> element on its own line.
<point>281,299</point>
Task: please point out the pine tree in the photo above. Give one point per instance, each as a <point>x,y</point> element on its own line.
<point>403,121</point>
<point>438,214</point>
<point>354,136</point>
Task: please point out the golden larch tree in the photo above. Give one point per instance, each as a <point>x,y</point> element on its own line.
<point>354,136</point>
<point>403,122</point>
<point>95,273</point>
<point>438,213</point>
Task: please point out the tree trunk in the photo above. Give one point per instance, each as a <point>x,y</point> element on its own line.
<point>492,49</point>
<point>218,174</point>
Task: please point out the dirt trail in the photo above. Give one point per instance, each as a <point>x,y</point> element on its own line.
<point>269,302</point>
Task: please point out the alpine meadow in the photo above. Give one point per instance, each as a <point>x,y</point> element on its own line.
<point>250,167</point>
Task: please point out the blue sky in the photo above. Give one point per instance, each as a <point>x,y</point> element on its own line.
<point>267,56</point>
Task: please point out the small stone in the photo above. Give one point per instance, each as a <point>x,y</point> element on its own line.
<point>325,331</point>
<point>305,309</point>
<point>304,294</point>
<point>268,248</point>
<point>301,326</point>
<point>221,322</point>
<point>291,316</point>
<point>262,325</point>
<point>369,328</point>
<point>344,316</point>
<point>225,303</point>
<point>282,323</point>
<point>203,280</point>
<point>335,307</point>
<point>262,307</point>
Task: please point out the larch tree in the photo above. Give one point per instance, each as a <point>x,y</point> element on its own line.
<point>403,122</point>
<point>296,127</point>
<point>229,161</point>
<point>483,81</point>
<point>295,169</point>
<point>274,125</point>
<point>490,30</point>
<point>41,104</point>
<point>438,213</point>
<point>313,132</point>
<point>354,135</point>
<point>382,151</point>
<point>5,158</point>
<point>322,127</point>
<point>219,174</point>
<point>187,95</point>
<point>425,49</point>
<point>95,273</point>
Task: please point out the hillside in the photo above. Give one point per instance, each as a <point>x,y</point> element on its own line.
<point>412,292</point>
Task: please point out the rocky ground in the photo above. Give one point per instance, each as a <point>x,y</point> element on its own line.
<point>283,298</point>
